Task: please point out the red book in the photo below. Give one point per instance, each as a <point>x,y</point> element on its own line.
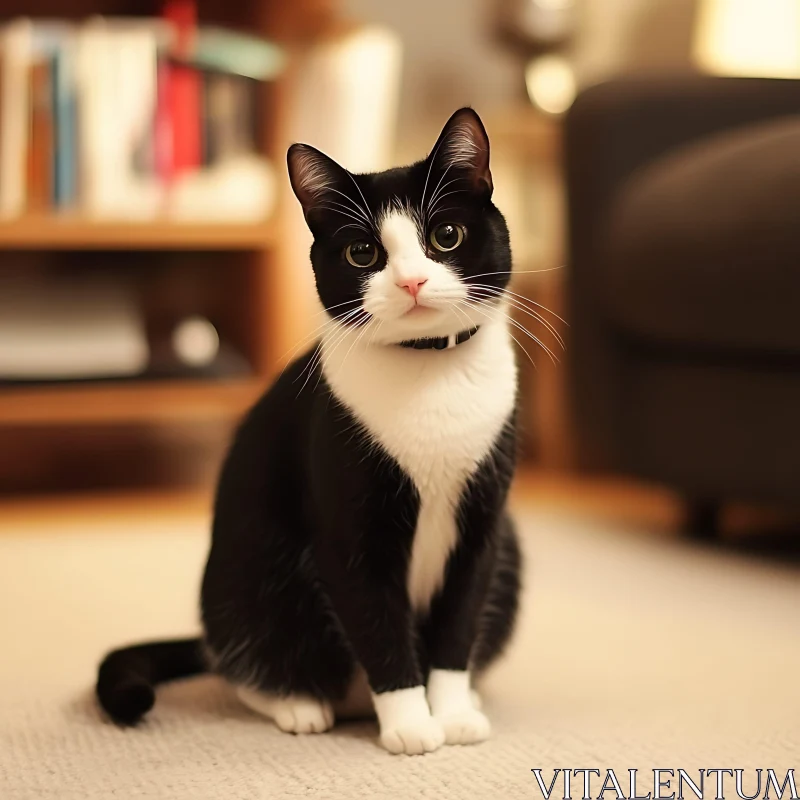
<point>184,91</point>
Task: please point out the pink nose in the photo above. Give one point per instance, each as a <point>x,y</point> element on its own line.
<point>412,285</point>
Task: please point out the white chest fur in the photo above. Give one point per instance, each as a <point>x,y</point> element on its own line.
<point>438,414</point>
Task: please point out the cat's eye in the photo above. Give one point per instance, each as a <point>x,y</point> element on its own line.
<point>361,254</point>
<point>447,237</point>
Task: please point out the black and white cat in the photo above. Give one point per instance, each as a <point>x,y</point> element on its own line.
<point>362,558</point>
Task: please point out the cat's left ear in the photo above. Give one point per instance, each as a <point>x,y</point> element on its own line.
<point>313,175</point>
<point>464,146</point>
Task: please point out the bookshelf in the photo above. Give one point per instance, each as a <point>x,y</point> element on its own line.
<point>53,233</point>
<point>134,402</point>
<point>242,270</point>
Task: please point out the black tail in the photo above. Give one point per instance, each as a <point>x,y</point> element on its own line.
<point>127,677</point>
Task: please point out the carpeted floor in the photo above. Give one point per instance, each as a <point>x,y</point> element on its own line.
<point>635,651</point>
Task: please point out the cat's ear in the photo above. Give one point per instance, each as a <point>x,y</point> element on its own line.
<point>463,145</point>
<point>312,175</point>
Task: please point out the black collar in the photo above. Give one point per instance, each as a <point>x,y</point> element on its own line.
<point>440,342</point>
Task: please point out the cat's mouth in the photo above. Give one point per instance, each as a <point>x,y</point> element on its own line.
<point>418,310</point>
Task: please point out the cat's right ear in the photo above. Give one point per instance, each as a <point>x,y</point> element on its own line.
<point>312,175</point>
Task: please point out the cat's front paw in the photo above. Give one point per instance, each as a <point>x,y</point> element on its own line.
<point>415,738</point>
<point>457,707</point>
<point>468,726</point>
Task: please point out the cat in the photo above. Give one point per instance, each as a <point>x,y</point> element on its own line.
<point>362,557</point>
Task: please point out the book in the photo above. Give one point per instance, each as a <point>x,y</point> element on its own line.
<point>41,146</point>
<point>104,116</point>
<point>65,146</point>
<point>14,97</point>
<point>116,79</point>
<point>183,106</point>
<point>230,121</point>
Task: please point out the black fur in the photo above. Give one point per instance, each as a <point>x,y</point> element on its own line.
<point>313,524</point>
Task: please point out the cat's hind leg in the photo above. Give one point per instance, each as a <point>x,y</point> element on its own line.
<point>294,713</point>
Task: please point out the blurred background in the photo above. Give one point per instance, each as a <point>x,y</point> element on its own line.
<point>154,279</point>
<point>153,265</point>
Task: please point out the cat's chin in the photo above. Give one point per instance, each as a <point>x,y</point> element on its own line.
<point>421,312</point>
<point>419,326</point>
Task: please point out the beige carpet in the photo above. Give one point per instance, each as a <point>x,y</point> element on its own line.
<point>635,651</point>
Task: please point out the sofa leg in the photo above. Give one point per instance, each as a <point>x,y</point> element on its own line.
<point>702,521</point>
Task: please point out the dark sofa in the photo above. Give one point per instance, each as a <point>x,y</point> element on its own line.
<point>684,286</point>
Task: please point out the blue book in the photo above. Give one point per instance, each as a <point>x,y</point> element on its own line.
<point>65,152</point>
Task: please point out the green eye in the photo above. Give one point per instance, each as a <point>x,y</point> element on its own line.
<point>447,237</point>
<point>361,254</point>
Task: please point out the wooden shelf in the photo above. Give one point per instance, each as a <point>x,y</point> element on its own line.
<point>123,402</point>
<point>55,233</point>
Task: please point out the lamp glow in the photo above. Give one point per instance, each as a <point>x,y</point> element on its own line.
<point>749,38</point>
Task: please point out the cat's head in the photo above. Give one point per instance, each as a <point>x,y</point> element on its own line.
<point>414,252</point>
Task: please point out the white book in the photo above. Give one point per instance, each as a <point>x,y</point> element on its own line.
<point>116,77</point>
<point>17,39</point>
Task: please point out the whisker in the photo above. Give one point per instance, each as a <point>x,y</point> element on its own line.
<point>318,331</point>
<point>519,343</point>
<point>530,335</point>
<point>518,271</point>
<point>339,335</point>
<point>365,216</point>
<point>436,195</point>
<point>339,305</point>
<point>336,341</point>
<point>443,210</point>
<point>432,199</point>
<point>309,368</point>
<point>346,213</point>
<point>553,357</point>
<point>446,194</point>
<point>349,225</point>
<point>321,328</point>
<point>432,158</point>
<point>516,294</point>
<point>307,339</point>
<point>355,342</point>
<point>367,209</point>
<point>516,303</point>
<point>375,332</point>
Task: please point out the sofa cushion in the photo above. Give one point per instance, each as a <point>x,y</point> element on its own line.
<point>703,246</point>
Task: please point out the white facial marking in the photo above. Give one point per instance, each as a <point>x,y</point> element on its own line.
<point>441,305</point>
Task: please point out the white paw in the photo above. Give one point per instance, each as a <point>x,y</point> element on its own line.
<point>414,738</point>
<point>293,714</point>
<point>303,715</point>
<point>477,703</point>
<point>468,726</point>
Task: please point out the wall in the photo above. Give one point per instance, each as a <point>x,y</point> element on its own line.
<point>452,57</point>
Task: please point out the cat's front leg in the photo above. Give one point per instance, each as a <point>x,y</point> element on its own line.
<point>376,615</point>
<point>450,633</point>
